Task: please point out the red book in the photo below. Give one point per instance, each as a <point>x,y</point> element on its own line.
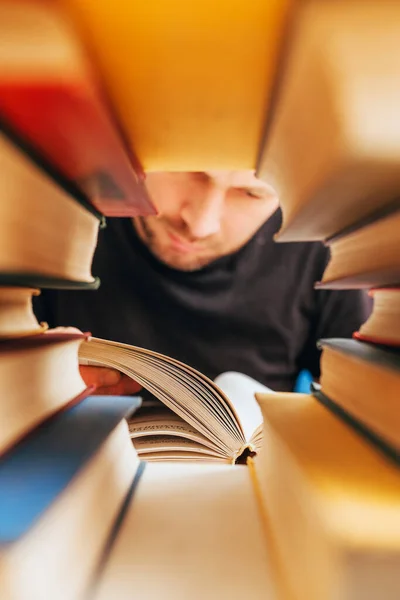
<point>49,96</point>
<point>383,324</point>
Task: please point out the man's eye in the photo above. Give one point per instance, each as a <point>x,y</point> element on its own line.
<point>253,194</point>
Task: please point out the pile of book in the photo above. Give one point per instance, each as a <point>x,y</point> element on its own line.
<point>329,468</point>
<point>60,447</point>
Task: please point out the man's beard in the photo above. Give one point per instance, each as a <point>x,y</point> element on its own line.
<point>149,239</point>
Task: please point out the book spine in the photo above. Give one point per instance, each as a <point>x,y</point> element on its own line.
<point>30,474</point>
<point>25,279</point>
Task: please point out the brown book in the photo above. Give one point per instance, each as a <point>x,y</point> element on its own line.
<point>383,325</point>
<point>39,375</point>
<point>333,149</point>
<point>194,419</point>
<point>46,236</point>
<point>16,313</point>
<point>365,258</point>
<point>332,503</point>
<point>364,381</point>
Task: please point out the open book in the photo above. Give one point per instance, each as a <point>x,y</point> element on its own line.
<point>195,420</point>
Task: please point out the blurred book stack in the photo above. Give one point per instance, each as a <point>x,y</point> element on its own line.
<point>59,446</point>
<point>350,200</point>
<point>63,164</point>
<point>330,463</point>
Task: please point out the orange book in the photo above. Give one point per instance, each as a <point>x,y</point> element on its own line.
<point>190,80</point>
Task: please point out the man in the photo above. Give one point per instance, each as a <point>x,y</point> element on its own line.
<point>204,282</point>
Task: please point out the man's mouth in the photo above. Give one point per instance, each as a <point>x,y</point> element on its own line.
<point>180,244</point>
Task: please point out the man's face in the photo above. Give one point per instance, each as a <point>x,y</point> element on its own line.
<point>203,216</point>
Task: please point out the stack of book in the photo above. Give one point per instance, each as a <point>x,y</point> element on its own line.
<point>352,202</point>
<point>60,447</point>
<point>329,467</point>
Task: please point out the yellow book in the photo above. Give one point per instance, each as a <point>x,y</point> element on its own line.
<point>191,532</point>
<point>333,504</point>
<point>333,150</point>
<point>191,80</point>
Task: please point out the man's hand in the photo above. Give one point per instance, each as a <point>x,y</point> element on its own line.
<point>109,382</point>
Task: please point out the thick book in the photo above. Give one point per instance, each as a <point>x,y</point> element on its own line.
<point>61,490</point>
<point>50,95</point>
<point>195,419</point>
<point>333,147</point>
<point>190,531</point>
<point>39,375</point>
<point>332,503</point>
<point>47,238</point>
<point>366,257</point>
<point>17,318</point>
<point>383,325</point>
<point>190,97</point>
<point>364,381</point>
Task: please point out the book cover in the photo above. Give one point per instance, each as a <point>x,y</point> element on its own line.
<point>40,467</point>
<point>25,279</point>
<point>148,55</point>
<point>364,351</point>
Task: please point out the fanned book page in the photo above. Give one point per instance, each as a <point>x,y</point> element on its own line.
<point>195,419</point>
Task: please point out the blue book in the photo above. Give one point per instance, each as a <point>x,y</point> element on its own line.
<point>39,468</point>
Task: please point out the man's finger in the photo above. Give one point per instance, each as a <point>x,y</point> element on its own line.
<point>123,388</point>
<point>99,376</point>
<point>109,381</point>
<point>129,385</point>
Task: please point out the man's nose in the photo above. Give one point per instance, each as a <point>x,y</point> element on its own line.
<point>202,214</point>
